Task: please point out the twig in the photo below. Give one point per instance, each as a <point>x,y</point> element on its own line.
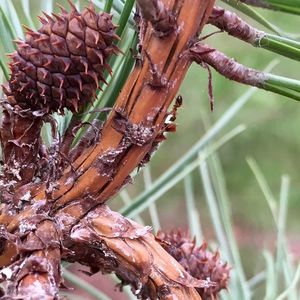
<point>231,23</point>
<point>226,66</point>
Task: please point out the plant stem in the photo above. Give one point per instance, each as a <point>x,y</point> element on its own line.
<point>233,70</point>
<point>125,16</point>
<point>236,27</point>
<point>108,6</point>
<point>248,11</point>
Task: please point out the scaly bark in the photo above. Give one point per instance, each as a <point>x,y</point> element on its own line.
<point>161,18</point>
<point>21,144</point>
<point>73,203</point>
<point>226,66</point>
<point>106,241</point>
<point>36,273</point>
<point>231,23</point>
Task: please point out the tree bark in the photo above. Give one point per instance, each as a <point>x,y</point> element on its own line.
<point>73,203</point>
<point>161,18</point>
<point>106,241</point>
<point>20,140</point>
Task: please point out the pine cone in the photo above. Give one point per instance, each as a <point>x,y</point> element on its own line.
<point>60,65</point>
<point>198,261</point>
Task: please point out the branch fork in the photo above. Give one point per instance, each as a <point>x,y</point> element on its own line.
<point>67,218</point>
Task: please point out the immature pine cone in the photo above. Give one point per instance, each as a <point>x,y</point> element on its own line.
<point>197,261</point>
<point>60,65</point>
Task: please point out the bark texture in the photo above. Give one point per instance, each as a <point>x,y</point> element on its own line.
<point>66,217</point>
<point>232,24</point>
<point>21,145</point>
<point>162,19</point>
<point>36,274</point>
<point>129,250</point>
<point>226,66</point>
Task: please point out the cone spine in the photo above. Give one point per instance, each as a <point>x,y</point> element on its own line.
<point>61,64</point>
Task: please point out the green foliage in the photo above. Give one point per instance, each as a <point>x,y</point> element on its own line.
<point>280,45</point>
<point>287,6</point>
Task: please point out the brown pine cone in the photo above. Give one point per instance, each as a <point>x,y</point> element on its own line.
<point>198,261</point>
<point>60,65</point>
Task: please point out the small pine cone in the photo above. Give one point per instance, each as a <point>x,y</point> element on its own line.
<point>60,65</point>
<point>198,261</point>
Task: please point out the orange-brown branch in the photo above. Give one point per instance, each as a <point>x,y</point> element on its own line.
<point>127,137</point>
<point>137,117</point>
<point>107,241</point>
<point>143,102</point>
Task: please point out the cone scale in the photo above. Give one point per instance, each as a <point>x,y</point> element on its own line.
<point>60,66</point>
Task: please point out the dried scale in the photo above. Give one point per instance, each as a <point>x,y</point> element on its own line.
<point>197,261</point>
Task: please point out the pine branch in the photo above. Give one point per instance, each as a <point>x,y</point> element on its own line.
<point>232,24</point>
<point>71,203</point>
<point>226,66</point>
<point>231,69</point>
<point>106,241</point>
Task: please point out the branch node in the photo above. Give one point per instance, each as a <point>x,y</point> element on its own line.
<point>156,13</point>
